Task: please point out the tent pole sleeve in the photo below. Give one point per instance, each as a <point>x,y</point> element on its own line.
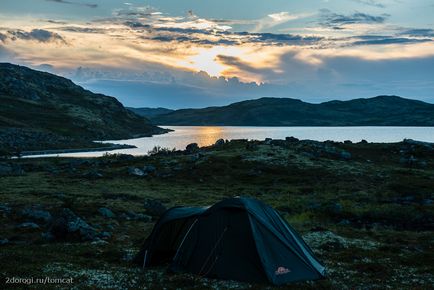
<point>144,259</point>
<point>183,239</point>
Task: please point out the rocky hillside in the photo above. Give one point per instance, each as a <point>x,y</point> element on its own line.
<point>45,108</point>
<point>378,111</point>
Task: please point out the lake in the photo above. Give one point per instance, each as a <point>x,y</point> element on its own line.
<point>207,135</point>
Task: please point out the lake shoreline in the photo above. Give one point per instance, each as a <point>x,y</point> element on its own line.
<point>180,136</point>
<point>77,150</point>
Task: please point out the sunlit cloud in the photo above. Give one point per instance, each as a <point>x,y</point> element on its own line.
<point>279,18</point>
<point>138,38</point>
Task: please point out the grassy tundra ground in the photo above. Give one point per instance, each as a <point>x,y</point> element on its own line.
<point>365,209</point>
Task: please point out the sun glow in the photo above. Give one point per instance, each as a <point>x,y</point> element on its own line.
<point>206,59</point>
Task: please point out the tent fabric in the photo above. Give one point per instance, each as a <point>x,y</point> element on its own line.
<point>236,239</point>
<point>161,245</point>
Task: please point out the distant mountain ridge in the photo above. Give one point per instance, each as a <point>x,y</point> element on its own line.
<point>376,111</point>
<point>150,112</point>
<point>44,105</point>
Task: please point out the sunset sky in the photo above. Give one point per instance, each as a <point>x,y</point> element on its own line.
<point>195,53</point>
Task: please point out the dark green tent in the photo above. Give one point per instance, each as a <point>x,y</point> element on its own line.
<point>236,239</point>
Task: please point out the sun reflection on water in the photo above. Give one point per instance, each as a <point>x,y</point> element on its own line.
<point>208,135</point>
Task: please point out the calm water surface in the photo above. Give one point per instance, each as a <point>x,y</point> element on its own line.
<point>205,135</point>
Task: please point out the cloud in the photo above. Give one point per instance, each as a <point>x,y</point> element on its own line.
<point>419,32</point>
<point>212,35</point>
<point>54,21</point>
<point>3,37</point>
<point>385,40</point>
<point>40,35</point>
<point>373,3</point>
<point>279,18</point>
<point>339,21</point>
<point>74,3</point>
<point>79,29</point>
<point>136,39</point>
<point>283,39</point>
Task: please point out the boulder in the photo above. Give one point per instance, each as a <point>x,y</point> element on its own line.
<point>192,148</point>
<point>426,145</point>
<point>92,174</point>
<point>409,161</point>
<point>134,171</point>
<point>154,207</point>
<point>5,208</point>
<point>37,214</point>
<point>149,169</point>
<point>345,155</point>
<point>69,226</point>
<point>130,215</point>
<point>105,235</point>
<point>291,139</point>
<point>105,212</point>
<point>219,142</point>
<point>28,225</point>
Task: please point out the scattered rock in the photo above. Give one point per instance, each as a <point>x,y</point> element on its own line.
<point>345,155</point>
<point>344,222</point>
<point>291,139</point>
<point>70,226</point>
<point>99,242</point>
<point>105,235</point>
<point>327,240</point>
<point>219,142</point>
<point>148,169</point>
<point>37,214</point>
<point>196,157</point>
<point>105,212</point>
<point>5,208</point>
<point>411,161</point>
<point>192,148</point>
<point>130,215</point>
<point>28,225</point>
<point>93,174</point>
<point>426,145</point>
<point>134,171</point>
<point>154,207</point>
<point>124,157</point>
<point>48,236</point>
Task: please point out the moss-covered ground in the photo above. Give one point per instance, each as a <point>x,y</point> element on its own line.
<point>368,216</point>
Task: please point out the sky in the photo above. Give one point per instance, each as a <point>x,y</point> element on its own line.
<point>195,53</point>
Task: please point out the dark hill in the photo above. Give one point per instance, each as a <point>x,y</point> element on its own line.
<point>150,112</point>
<point>37,105</point>
<point>377,111</point>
